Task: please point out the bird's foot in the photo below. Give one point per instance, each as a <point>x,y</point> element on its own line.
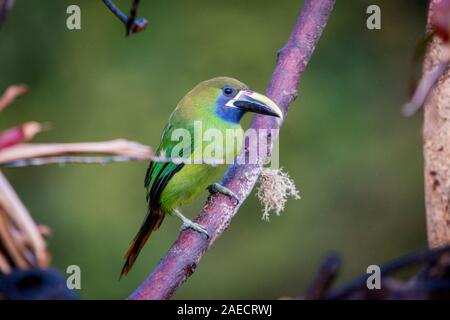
<point>189,224</point>
<point>194,226</point>
<point>217,187</point>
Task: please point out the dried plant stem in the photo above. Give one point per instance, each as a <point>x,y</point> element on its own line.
<point>11,93</point>
<point>427,81</point>
<point>24,155</point>
<point>20,134</point>
<point>19,215</point>
<point>63,160</point>
<point>4,264</point>
<point>117,147</point>
<point>12,247</point>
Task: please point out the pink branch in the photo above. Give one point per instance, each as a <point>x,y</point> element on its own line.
<point>20,134</point>
<point>184,255</point>
<point>11,93</point>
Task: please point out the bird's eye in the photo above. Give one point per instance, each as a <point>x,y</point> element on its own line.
<point>229,91</point>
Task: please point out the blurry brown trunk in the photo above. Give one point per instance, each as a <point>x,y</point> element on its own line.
<point>436,147</point>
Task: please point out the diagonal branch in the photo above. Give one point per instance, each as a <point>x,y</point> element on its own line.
<point>187,251</point>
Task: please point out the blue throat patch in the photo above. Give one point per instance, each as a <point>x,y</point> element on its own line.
<point>228,114</point>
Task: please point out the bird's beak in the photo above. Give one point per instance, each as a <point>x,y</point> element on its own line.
<point>255,102</point>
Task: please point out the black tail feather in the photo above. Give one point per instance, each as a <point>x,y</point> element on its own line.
<point>152,222</point>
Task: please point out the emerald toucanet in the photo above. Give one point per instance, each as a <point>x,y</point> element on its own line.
<point>217,104</point>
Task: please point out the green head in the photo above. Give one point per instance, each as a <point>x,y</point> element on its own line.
<point>229,99</point>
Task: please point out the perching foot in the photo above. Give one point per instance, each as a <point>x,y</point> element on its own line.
<point>217,187</point>
<point>189,224</point>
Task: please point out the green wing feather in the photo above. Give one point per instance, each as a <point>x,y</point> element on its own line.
<point>156,179</point>
<point>159,173</point>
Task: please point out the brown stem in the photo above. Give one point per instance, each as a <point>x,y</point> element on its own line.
<point>436,147</point>
<point>14,249</point>
<point>19,215</point>
<point>414,288</point>
<point>184,255</point>
<point>325,277</point>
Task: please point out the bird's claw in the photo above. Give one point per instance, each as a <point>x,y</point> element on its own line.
<point>217,187</point>
<point>188,224</point>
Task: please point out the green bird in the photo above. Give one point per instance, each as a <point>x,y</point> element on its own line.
<point>216,104</point>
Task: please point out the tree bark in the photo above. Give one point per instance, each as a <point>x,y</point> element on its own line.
<point>436,146</point>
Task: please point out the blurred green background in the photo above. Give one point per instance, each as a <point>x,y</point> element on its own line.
<point>356,161</point>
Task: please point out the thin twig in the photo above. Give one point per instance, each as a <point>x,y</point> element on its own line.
<point>132,23</point>
<point>14,250</point>
<point>327,273</point>
<point>438,27</point>
<point>423,89</point>
<point>117,12</point>
<point>132,17</point>
<point>11,93</point>
<point>187,251</point>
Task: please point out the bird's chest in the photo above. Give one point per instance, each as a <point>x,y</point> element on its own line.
<point>212,142</point>
<point>189,183</point>
<point>217,141</point>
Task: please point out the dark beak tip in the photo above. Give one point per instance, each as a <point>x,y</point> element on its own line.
<point>255,108</point>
